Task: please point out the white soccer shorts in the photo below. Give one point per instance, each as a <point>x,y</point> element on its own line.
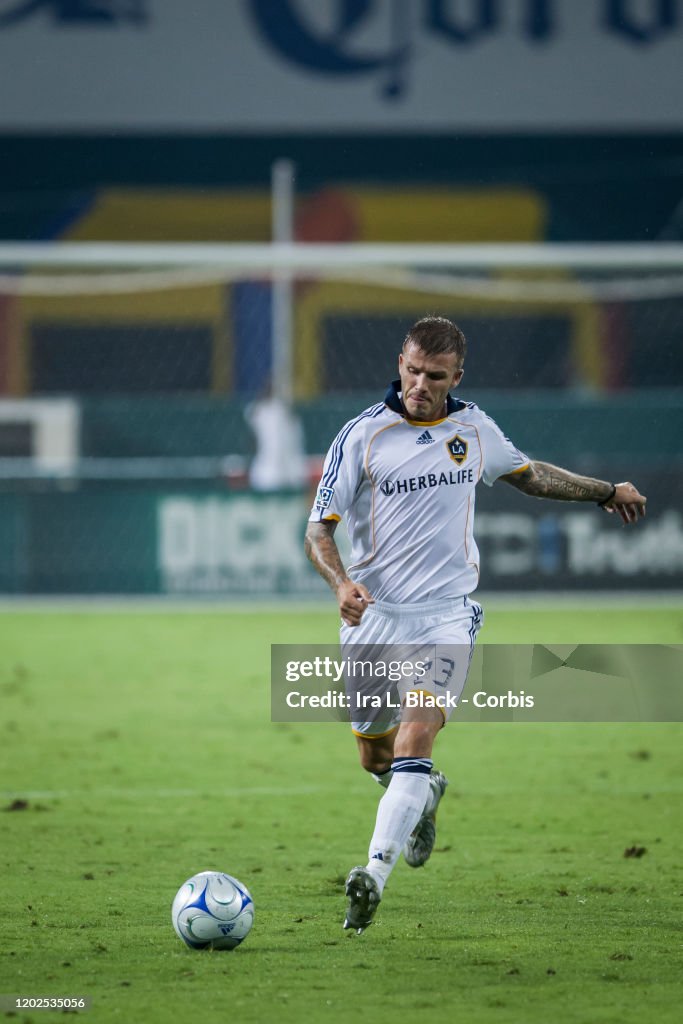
<point>437,639</point>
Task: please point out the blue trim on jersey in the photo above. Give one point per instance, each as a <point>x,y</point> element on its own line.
<point>392,400</point>
<point>330,476</point>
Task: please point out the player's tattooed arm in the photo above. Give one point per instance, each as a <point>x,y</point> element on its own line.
<point>542,480</point>
<point>323,553</point>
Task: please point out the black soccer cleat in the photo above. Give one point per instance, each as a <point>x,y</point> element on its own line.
<point>363,895</point>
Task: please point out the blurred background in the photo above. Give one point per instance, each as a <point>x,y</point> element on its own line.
<point>163,417</point>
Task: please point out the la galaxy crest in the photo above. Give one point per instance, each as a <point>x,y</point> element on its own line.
<point>457,449</point>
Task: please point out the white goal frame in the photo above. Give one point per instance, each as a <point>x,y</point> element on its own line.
<point>623,272</point>
<point>299,257</point>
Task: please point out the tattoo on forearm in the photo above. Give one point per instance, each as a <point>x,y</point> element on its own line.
<point>323,553</point>
<point>545,481</point>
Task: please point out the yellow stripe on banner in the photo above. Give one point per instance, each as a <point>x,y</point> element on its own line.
<point>588,348</point>
<point>222,345</point>
<point>17,370</point>
<point>379,215</point>
<point>175,305</point>
<point>449,215</point>
<point>178,215</point>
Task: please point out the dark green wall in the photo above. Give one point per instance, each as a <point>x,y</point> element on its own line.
<point>635,427</point>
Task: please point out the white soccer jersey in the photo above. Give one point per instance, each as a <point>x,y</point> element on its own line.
<point>406,491</point>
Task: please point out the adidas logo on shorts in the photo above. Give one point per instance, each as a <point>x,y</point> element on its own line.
<point>425,438</point>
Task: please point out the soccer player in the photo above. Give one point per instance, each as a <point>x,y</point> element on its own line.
<point>404,473</point>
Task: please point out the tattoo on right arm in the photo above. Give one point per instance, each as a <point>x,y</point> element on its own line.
<point>542,480</point>
<point>323,553</point>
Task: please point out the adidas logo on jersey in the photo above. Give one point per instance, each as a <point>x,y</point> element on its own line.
<point>425,438</point>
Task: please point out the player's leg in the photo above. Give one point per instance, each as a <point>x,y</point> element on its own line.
<point>399,812</point>
<point>419,845</point>
<point>449,667</point>
<point>449,664</point>
<point>409,794</point>
<point>407,811</point>
<point>415,737</point>
<point>376,753</point>
<point>405,817</point>
<point>406,775</point>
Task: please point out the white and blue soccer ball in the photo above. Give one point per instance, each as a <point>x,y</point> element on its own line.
<point>212,910</point>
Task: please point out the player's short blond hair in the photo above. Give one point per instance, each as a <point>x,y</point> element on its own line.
<point>435,335</point>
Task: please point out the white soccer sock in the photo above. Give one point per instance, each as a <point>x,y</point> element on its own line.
<point>398,813</point>
<point>384,778</point>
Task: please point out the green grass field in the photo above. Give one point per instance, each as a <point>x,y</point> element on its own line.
<point>142,745</point>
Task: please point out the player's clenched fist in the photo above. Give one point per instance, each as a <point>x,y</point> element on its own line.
<point>353,599</point>
<point>627,502</point>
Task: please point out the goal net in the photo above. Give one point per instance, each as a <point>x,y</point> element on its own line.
<point>147,363</point>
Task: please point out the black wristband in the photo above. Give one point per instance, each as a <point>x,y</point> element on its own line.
<point>606,501</point>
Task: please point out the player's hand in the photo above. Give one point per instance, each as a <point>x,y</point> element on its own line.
<point>627,503</point>
<point>353,599</point>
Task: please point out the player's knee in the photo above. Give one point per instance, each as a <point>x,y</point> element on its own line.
<point>374,761</point>
<point>416,739</point>
<point>375,755</point>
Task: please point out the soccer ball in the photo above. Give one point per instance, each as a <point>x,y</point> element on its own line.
<point>212,910</point>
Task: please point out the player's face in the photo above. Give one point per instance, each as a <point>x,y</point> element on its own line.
<point>425,382</point>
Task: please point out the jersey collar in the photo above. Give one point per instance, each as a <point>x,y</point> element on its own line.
<point>392,400</point>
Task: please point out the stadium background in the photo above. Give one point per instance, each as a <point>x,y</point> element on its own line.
<point>355,95</point>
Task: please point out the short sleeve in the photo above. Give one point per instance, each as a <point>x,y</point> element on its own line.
<point>500,455</point>
<point>341,475</point>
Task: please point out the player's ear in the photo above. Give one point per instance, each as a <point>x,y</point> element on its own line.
<point>457,377</point>
<point>400,360</point>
